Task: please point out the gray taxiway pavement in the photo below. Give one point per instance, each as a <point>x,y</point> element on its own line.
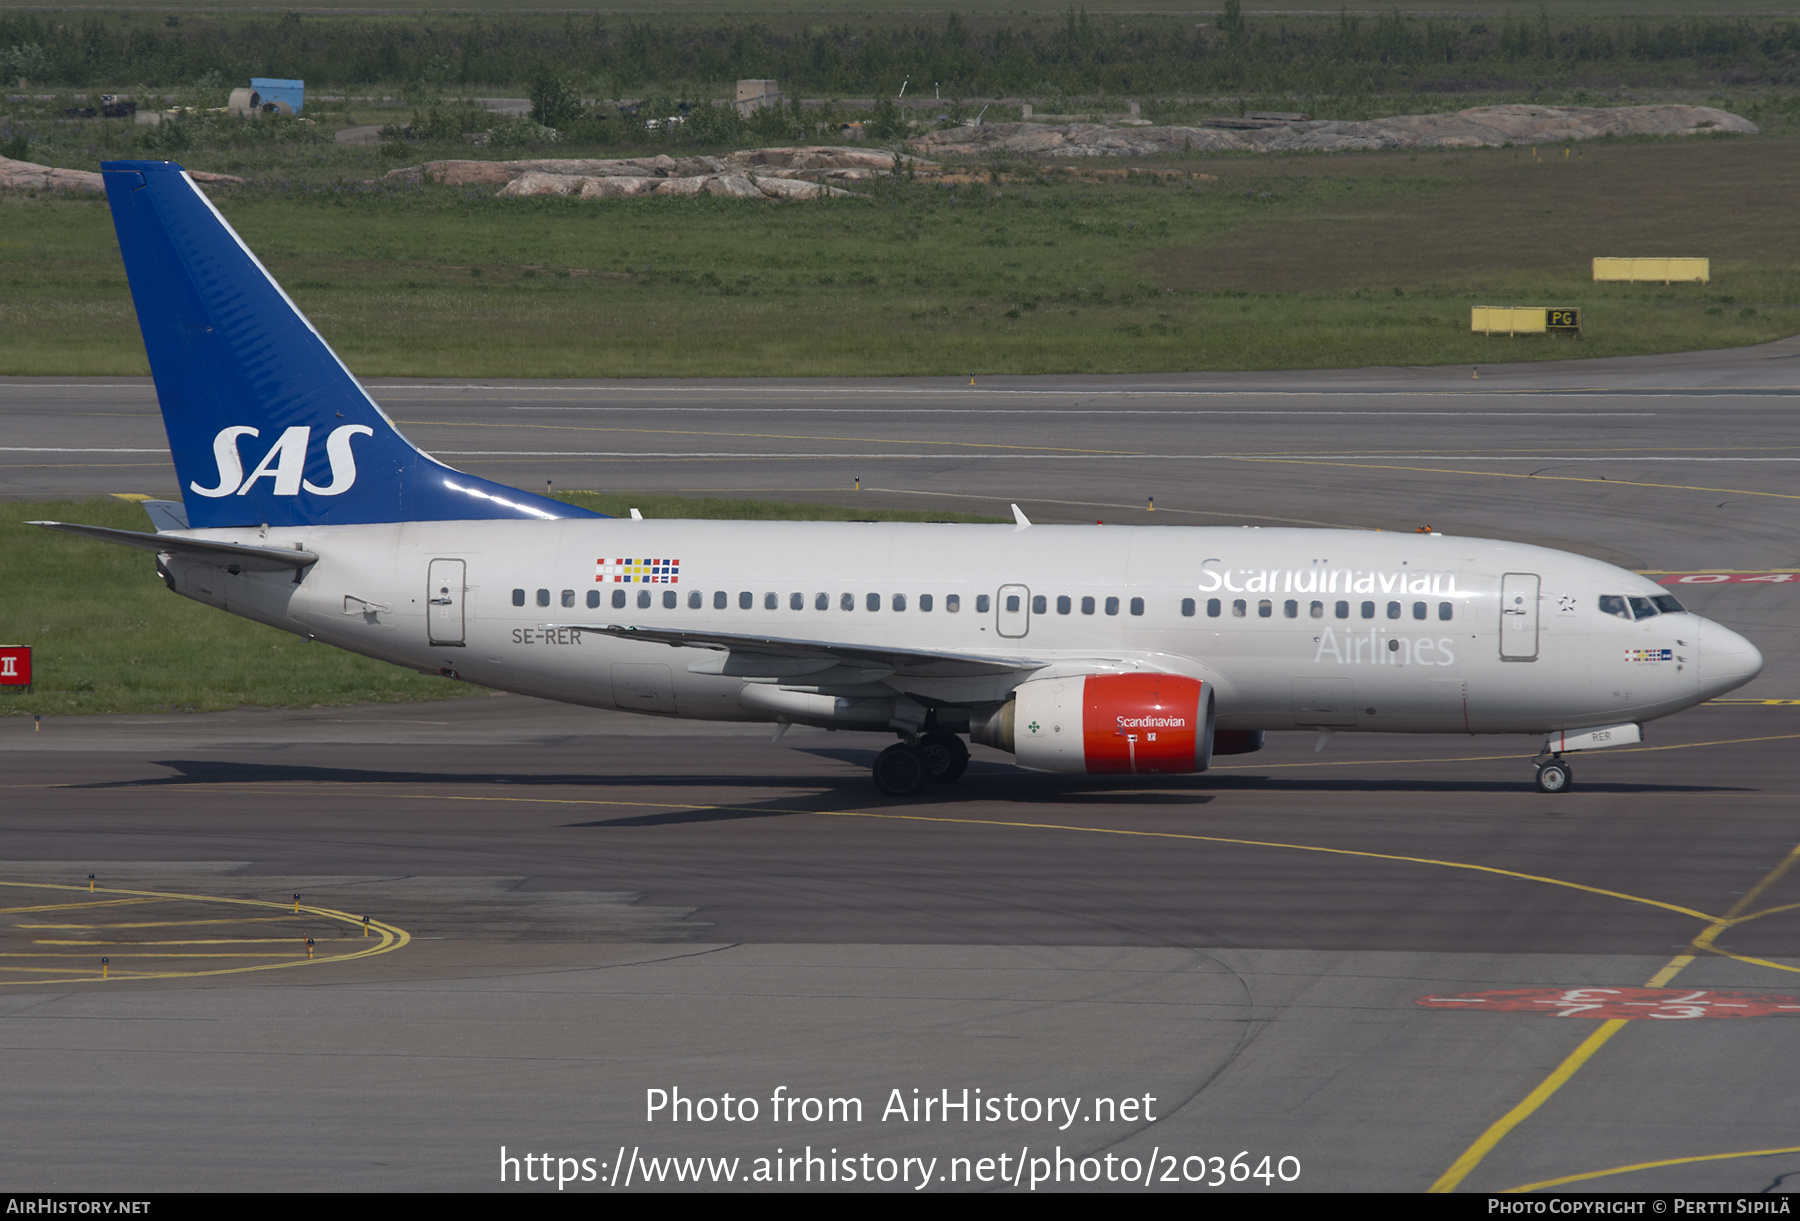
<point>597,906</point>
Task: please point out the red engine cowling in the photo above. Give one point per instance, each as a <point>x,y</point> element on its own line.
<point>1103,724</point>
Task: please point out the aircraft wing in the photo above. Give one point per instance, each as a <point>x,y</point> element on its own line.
<point>780,656</point>
<point>222,555</point>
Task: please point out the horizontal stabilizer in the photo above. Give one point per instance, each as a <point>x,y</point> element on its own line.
<point>224,555</point>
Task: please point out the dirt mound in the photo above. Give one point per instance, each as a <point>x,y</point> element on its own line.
<point>1479,127</point>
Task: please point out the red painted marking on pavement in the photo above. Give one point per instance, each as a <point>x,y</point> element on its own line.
<point>1727,578</point>
<point>1670,1004</point>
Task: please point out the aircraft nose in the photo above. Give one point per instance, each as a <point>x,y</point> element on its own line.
<point>1727,660</point>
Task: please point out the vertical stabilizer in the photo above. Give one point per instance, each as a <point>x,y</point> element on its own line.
<point>265,423</point>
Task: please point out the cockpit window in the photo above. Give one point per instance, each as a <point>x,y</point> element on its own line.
<point>1642,609</point>
<point>1667,604</point>
<point>1613,604</point>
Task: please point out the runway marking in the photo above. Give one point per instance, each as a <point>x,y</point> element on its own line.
<point>1703,941</point>
<point>1102,504</point>
<point>1426,470</point>
<point>766,436</point>
<point>1671,1161</point>
<point>1594,1002</point>
<point>387,937</point>
<point>1473,1156</point>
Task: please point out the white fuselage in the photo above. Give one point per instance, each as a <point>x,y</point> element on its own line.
<point>1315,629</point>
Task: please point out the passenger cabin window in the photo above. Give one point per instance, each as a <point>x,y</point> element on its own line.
<point>771,601</point>
<point>1112,606</point>
<point>1291,608</point>
<point>1446,611</point>
<point>568,597</point>
<point>898,602</point>
<point>1187,607</point>
<point>1039,604</point>
<point>1393,610</point>
<point>981,604</point>
<point>643,599</point>
<point>1213,606</point>
<point>746,600</point>
<point>822,602</point>
<point>719,599</point>
<point>1064,604</point>
<point>1317,610</point>
<point>543,597</point>
<point>694,599</point>
<point>518,597</point>
<point>925,603</point>
<point>593,599</point>
<point>1343,610</point>
<point>1012,604</point>
<point>1265,608</point>
<point>670,597</point>
<point>1087,605</point>
<point>618,599</point>
<point>847,602</point>
<point>1368,610</point>
<point>1137,606</point>
<point>1418,610</point>
<point>1238,607</point>
<point>952,603</point>
<point>872,601</point>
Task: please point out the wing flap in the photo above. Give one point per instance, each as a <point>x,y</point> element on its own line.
<point>804,655</point>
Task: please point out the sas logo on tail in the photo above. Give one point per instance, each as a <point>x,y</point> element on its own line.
<point>285,463</point>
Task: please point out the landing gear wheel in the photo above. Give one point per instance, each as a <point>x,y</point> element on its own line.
<point>901,771</point>
<point>946,758</point>
<point>1554,777</point>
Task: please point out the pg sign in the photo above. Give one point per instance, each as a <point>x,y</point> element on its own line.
<point>15,666</point>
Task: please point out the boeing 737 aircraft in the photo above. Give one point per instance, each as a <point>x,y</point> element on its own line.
<point>1080,649</point>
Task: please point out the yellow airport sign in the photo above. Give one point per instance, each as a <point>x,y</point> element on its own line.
<point>1524,320</point>
<point>1651,270</point>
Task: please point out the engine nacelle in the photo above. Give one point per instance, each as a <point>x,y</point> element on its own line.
<point>1106,724</point>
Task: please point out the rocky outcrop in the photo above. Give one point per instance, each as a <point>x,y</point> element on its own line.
<point>29,176</point>
<point>764,173</point>
<point>1480,127</point>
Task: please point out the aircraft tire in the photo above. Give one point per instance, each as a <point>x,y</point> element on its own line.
<point>901,771</point>
<point>1555,777</point>
<point>946,758</point>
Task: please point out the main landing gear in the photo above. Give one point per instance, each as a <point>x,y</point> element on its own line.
<point>1554,775</point>
<point>905,768</point>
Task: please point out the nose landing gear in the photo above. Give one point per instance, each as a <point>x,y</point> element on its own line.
<point>1554,775</point>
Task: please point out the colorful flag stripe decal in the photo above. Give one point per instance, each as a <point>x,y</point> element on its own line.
<point>638,571</point>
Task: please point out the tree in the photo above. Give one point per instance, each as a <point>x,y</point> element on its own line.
<point>554,101</point>
<point>1231,20</point>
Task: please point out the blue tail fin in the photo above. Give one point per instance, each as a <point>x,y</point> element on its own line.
<point>265,422</point>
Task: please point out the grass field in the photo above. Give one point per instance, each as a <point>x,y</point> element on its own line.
<point>108,637</point>
<point>1286,262</point>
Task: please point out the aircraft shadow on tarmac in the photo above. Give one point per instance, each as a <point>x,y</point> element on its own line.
<point>986,783</point>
